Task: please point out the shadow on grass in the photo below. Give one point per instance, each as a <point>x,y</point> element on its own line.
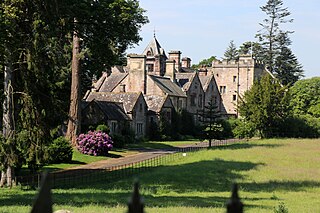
<point>246,145</point>
<point>161,187</point>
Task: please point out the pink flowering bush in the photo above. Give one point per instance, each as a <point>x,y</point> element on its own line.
<point>94,143</point>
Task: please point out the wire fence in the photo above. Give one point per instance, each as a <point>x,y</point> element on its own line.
<point>81,177</point>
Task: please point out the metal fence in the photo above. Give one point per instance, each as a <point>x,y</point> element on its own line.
<point>43,202</point>
<point>76,177</point>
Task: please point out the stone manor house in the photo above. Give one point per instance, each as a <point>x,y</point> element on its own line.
<point>155,83</point>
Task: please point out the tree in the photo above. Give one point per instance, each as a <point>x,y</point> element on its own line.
<point>266,106</point>
<point>231,52</point>
<point>106,29</point>
<point>306,97</point>
<point>211,128</point>
<point>287,67</point>
<point>29,61</point>
<point>275,42</point>
<point>250,48</point>
<point>204,63</point>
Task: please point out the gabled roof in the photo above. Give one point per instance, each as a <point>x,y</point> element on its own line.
<point>167,86</point>
<point>205,81</point>
<point>111,82</point>
<point>155,48</point>
<point>128,99</point>
<point>156,102</point>
<point>185,79</point>
<point>113,111</point>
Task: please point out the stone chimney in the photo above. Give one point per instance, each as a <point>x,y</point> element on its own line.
<point>137,73</point>
<point>186,62</point>
<point>176,55</point>
<point>170,70</point>
<point>203,71</point>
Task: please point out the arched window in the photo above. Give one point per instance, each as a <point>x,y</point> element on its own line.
<point>149,53</point>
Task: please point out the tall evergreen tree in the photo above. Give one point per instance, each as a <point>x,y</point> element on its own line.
<point>231,52</point>
<point>287,67</point>
<point>275,43</point>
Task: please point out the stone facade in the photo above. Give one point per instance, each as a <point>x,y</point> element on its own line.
<point>234,78</point>
<point>168,83</point>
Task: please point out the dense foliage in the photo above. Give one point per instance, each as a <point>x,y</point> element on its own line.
<point>266,106</point>
<point>60,151</point>
<point>94,143</point>
<point>306,97</point>
<point>36,50</point>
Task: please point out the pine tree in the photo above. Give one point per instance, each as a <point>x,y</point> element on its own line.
<point>287,67</point>
<point>231,53</point>
<point>276,55</point>
<point>210,116</point>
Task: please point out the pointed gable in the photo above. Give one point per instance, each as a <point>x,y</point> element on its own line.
<point>154,48</point>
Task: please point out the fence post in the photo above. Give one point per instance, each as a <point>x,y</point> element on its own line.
<point>43,202</point>
<point>234,205</point>
<point>135,204</point>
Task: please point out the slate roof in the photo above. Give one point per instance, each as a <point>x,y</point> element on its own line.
<point>205,81</point>
<point>113,111</point>
<point>155,48</point>
<point>167,86</point>
<point>185,79</point>
<point>155,102</point>
<point>128,99</point>
<point>111,82</point>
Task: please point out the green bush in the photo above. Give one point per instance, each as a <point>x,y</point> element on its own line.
<point>118,140</point>
<point>241,129</point>
<point>103,128</point>
<point>60,151</point>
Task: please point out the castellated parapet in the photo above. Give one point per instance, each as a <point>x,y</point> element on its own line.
<point>234,77</point>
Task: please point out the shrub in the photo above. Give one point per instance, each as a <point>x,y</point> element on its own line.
<point>103,128</point>
<point>241,128</point>
<point>119,140</point>
<point>60,151</point>
<point>94,143</point>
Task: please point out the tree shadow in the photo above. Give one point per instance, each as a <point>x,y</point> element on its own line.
<point>245,145</point>
<point>215,175</point>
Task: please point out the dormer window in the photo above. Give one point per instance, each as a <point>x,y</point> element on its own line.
<point>149,53</point>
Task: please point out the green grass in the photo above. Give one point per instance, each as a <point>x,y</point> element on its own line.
<point>81,159</point>
<point>269,172</point>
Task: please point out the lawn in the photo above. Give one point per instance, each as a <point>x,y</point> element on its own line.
<point>269,172</point>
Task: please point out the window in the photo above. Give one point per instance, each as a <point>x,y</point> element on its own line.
<point>140,107</point>
<point>223,89</point>
<point>150,67</point>
<point>234,79</point>
<point>113,126</point>
<point>200,101</point>
<point>234,97</point>
<point>139,129</point>
<point>215,100</point>
<point>149,53</point>
<point>123,87</point>
<point>193,100</point>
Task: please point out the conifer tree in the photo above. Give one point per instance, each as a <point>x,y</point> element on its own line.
<point>231,53</point>
<point>275,43</point>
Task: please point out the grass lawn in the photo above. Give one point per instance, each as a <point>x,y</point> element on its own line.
<point>268,172</point>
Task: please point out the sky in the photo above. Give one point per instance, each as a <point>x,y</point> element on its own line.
<point>204,28</point>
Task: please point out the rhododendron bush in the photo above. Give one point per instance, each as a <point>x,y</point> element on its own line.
<point>94,143</point>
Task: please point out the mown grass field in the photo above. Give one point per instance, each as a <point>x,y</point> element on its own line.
<point>268,172</point>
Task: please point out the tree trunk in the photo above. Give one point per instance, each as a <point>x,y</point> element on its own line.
<point>74,122</point>
<point>7,175</point>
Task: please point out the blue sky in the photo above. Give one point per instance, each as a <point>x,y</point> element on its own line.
<point>202,28</point>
